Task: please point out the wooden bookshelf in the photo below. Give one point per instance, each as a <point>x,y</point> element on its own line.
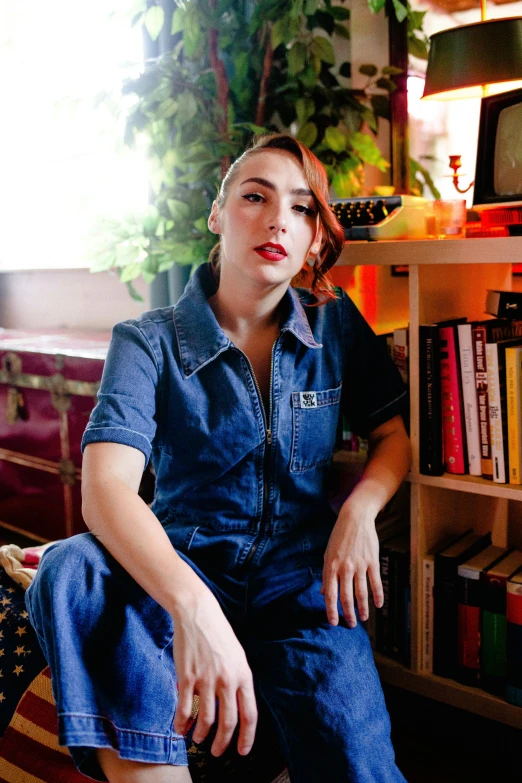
<point>447,278</point>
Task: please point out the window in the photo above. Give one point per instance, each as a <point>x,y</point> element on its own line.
<point>62,161</point>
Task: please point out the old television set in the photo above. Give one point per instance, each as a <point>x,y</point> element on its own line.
<point>498,175</point>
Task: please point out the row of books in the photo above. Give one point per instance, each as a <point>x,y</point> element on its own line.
<point>472,615</point>
<point>470,393</point>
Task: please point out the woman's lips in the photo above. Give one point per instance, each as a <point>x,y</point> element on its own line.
<point>270,255</point>
<point>271,251</point>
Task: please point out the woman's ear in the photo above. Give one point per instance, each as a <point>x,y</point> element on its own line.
<point>317,244</point>
<point>213,219</point>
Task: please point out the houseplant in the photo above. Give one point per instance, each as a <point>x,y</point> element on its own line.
<point>236,68</point>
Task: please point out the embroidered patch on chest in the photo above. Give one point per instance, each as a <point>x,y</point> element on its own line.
<point>308,399</point>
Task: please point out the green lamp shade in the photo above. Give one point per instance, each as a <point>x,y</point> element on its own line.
<point>474,55</point>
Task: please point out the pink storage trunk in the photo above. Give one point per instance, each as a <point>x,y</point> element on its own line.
<point>48,387</point>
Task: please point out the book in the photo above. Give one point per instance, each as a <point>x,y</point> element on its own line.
<point>430,404</point>
<point>469,602</point>
<point>469,399</point>
<point>399,597</point>
<point>504,304</point>
<point>453,433</point>
<point>483,332</point>
<point>514,412</point>
<point>497,405</point>
<point>400,352</point>
<point>428,579</point>
<point>382,620</point>
<point>493,623</point>
<point>445,621</point>
<point>514,639</point>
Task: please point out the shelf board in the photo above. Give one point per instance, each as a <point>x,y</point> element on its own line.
<point>472,484</point>
<point>479,250</point>
<point>449,692</point>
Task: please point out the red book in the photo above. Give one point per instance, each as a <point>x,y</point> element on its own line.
<point>453,432</point>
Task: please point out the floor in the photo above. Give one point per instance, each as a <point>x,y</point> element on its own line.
<point>434,743</point>
<point>437,743</point>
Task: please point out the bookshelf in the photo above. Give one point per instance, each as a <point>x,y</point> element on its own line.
<point>447,278</point>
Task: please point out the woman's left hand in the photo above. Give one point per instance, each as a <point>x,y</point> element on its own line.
<point>352,554</point>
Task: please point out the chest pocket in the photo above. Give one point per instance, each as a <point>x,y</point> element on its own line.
<point>315,416</point>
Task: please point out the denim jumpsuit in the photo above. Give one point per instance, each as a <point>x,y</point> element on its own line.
<point>241,493</point>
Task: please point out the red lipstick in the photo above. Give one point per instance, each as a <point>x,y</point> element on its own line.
<point>271,251</point>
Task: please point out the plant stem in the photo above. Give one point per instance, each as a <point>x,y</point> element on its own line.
<point>267,67</point>
<point>222,88</point>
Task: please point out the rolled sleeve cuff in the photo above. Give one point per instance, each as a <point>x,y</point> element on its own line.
<point>387,412</point>
<point>101,434</point>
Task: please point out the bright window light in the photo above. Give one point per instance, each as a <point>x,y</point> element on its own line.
<point>63,163</point>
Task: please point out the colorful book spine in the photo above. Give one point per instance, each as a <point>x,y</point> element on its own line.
<point>469,606</point>
<point>469,399</point>
<point>493,623</point>
<point>514,640</point>
<point>430,406</point>
<point>481,380</point>
<point>495,415</point>
<point>428,580</point>
<point>514,412</point>
<point>454,438</point>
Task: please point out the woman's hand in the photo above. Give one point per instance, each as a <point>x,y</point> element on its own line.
<point>351,554</point>
<point>211,663</point>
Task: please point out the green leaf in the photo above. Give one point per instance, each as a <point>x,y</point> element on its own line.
<point>296,58</point>
<point>167,108</point>
<point>178,21</point>
<point>346,70</point>
<point>322,49</point>
<point>391,70</point>
<point>178,209</point>
<point>368,70</point>
<point>386,84</point>
<point>367,150</point>
<point>154,19</point>
<point>308,77</point>
<point>376,5</point>
<point>278,33</point>
<point>187,107</point>
<point>241,65</point>
<point>201,225</point>
<point>418,48</point>
<point>401,11</point>
<point>335,139</point>
<point>340,13</point>
<point>133,293</point>
<point>130,272</point>
<point>311,6</point>
<point>381,106</point>
<point>308,134</point>
<point>304,108</point>
<point>341,31</point>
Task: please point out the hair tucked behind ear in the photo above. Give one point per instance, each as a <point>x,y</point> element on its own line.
<point>315,175</point>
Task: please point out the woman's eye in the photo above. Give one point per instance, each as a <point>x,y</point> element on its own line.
<point>303,210</point>
<point>254,198</point>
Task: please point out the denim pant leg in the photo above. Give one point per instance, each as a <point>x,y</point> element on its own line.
<point>109,647</point>
<point>322,688</point>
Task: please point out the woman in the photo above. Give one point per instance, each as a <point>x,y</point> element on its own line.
<point>238,584</point>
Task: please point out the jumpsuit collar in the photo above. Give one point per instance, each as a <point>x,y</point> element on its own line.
<point>200,337</point>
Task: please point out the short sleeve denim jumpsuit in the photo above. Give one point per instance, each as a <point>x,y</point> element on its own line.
<point>241,493</point>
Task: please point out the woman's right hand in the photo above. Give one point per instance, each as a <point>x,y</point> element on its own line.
<point>211,663</point>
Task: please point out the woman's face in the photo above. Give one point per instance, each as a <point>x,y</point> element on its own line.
<point>268,224</point>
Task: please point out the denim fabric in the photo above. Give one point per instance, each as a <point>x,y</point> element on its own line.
<point>110,648</point>
<point>241,492</point>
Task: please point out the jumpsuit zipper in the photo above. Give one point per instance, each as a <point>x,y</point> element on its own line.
<point>266,459</point>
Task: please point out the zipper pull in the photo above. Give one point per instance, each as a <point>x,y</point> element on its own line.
<point>269,437</point>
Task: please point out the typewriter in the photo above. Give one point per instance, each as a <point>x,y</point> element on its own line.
<point>382,217</point>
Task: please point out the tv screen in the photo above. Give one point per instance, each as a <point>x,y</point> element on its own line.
<point>507,159</point>
<point>498,177</point>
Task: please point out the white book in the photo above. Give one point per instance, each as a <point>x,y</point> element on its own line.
<point>428,580</point>
<point>469,397</point>
<point>495,415</point>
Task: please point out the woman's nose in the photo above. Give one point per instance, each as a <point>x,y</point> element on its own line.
<point>277,219</point>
